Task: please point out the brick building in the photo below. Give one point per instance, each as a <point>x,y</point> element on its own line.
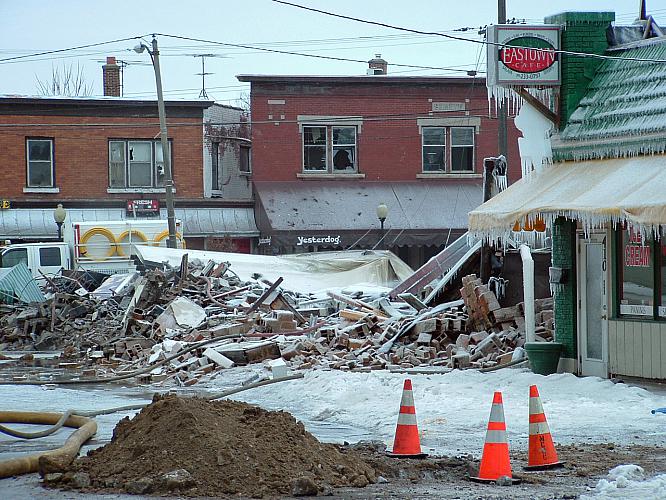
<point>94,155</point>
<point>328,150</point>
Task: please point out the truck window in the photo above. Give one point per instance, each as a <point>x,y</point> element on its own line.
<point>49,256</point>
<point>12,257</point>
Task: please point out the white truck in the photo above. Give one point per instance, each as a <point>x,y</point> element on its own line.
<point>102,246</point>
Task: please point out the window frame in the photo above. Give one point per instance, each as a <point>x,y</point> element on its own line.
<point>154,144</point>
<point>245,149</point>
<point>658,260</point>
<point>51,142</point>
<point>329,148</point>
<point>450,168</point>
<point>443,146</point>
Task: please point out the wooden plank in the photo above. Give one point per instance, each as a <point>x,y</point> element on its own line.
<point>655,349</point>
<point>621,349</point>
<point>353,315</point>
<point>612,346</point>
<point>663,350</point>
<point>646,358</point>
<point>629,348</point>
<point>637,342</point>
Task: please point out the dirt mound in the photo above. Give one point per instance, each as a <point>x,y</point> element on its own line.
<point>203,448</point>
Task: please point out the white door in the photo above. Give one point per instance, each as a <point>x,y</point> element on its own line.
<point>593,305</point>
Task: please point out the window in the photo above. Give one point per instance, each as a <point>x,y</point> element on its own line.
<point>637,274</point>
<point>12,257</point>
<point>40,163</point>
<point>215,164</point>
<point>49,256</point>
<point>436,153</point>
<point>462,149</point>
<point>137,163</point>
<point>244,164</point>
<point>434,149</point>
<point>329,149</point>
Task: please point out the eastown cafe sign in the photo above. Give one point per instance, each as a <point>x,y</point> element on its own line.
<point>523,55</point>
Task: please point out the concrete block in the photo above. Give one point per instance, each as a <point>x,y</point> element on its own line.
<point>218,359</point>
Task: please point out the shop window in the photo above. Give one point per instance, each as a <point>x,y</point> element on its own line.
<point>329,149</point>
<point>39,155</point>
<point>137,164</point>
<point>637,274</point>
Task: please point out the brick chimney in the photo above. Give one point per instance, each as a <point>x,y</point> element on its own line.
<point>111,77</point>
<point>377,66</point>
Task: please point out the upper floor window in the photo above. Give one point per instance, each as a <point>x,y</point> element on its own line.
<point>244,164</point>
<point>40,172</point>
<point>458,157</point>
<point>329,149</point>
<point>137,163</point>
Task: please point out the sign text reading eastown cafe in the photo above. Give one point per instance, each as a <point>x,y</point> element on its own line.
<point>523,55</point>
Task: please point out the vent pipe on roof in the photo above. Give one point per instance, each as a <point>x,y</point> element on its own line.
<point>111,77</point>
<point>377,66</point>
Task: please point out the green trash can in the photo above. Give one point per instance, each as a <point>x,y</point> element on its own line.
<point>543,356</point>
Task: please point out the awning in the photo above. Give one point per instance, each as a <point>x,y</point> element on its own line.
<point>38,224</point>
<point>594,192</point>
<point>341,213</point>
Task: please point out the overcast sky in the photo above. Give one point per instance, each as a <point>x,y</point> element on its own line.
<point>31,26</point>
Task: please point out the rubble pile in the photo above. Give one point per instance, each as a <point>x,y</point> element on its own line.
<point>185,324</point>
<point>194,447</point>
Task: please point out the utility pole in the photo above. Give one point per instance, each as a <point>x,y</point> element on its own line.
<point>166,153</point>
<point>501,117</point>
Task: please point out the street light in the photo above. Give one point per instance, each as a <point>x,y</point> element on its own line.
<point>168,179</point>
<point>382,213</point>
<point>59,216</point>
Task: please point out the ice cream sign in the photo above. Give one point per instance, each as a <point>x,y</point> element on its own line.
<point>523,55</point>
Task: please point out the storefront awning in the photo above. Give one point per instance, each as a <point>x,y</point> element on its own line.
<point>38,224</point>
<point>344,213</point>
<point>594,192</point>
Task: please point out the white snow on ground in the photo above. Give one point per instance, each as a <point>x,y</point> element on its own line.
<point>628,482</point>
<point>453,409</point>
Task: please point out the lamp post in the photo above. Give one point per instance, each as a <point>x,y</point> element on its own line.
<point>59,216</point>
<point>382,213</point>
<point>168,179</point>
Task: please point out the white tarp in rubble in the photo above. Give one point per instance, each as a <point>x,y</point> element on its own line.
<point>594,192</point>
<point>307,272</point>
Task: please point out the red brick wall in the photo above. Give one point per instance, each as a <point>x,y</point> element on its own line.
<point>388,149</point>
<point>82,158</point>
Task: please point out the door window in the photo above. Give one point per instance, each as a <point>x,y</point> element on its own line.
<point>49,256</point>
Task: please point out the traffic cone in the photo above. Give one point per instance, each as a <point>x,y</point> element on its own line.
<point>495,461</point>
<point>406,443</point>
<point>541,451</point>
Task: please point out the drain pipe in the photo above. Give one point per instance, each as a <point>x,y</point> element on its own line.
<point>528,292</point>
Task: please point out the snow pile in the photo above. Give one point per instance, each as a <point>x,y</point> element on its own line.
<point>452,409</point>
<point>628,482</point>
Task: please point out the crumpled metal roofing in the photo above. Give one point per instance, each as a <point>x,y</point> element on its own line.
<point>624,110</point>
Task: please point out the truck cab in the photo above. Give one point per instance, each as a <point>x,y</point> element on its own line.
<point>41,258</point>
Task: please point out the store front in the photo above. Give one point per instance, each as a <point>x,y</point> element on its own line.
<point>422,217</point>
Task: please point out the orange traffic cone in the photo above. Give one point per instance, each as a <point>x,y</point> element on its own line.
<point>541,451</point>
<point>406,443</point>
<point>495,460</point>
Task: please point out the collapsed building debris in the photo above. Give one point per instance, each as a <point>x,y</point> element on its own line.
<point>147,320</point>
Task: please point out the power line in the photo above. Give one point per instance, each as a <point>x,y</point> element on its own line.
<point>292,53</point>
<point>6,59</point>
<point>453,37</point>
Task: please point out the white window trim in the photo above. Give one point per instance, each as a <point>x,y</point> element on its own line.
<point>330,169</point>
<point>27,163</point>
<point>41,190</point>
<point>326,120</point>
<point>453,121</point>
<point>153,164</point>
<point>138,190</point>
